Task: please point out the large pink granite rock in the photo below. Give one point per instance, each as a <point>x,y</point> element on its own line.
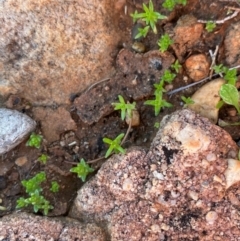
<point>50,49</point>
<point>185,188</point>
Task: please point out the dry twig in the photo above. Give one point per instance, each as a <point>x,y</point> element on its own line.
<point>235,13</point>
<point>213,57</point>
<point>196,83</point>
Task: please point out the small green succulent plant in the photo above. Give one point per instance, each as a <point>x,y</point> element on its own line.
<point>149,16</point>
<point>114,145</point>
<point>210,25</point>
<point>126,108</point>
<point>34,140</point>
<point>82,169</point>
<point>164,42</point>
<point>43,158</point>
<point>35,197</point>
<point>170,4</point>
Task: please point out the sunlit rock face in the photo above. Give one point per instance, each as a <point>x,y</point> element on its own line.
<point>50,49</point>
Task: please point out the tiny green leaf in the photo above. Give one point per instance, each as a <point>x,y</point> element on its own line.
<point>124,107</point>
<point>149,16</point>
<point>164,42</point>
<point>114,145</point>
<point>82,169</point>
<point>159,88</point>
<point>142,32</point>
<point>230,95</point>
<point>187,100</point>
<point>54,186</point>
<point>231,76</point>
<point>168,76</point>
<point>176,66</point>
<point>135,16</point>
<point>183,2</point>
<point>33,189</point>
<point>158,103</point>
<point>34,140</point>
<point>218,69</point>
<point>210,25</point>
<point>43,158</point>
<point>219,104</point>
<point>169,4</point>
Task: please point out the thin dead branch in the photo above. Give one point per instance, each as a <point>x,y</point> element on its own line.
<point>233,15</point>
<point>213,57</point>
<point>196,83</point>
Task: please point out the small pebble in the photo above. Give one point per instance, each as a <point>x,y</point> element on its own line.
<point>168,87</point>
<point>127,184</point>
<point>138,47</point>
<point>134,82</point>
<point>193,195</point>
<point>62,143</point>
<point>164,227</point>
<point>21,161</point>
<point>211,157</point>
<point>158,175</point>
<point>197,67</point>
<point>211,217</point>
<point>106,88</point>
<point>155,228</point>
<point>76,149</point>
<point>135,118</point>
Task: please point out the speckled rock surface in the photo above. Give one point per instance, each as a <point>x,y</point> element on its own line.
<point>23,226</point>
<point>232,45</point>
<point>179,190</point>
<point>186,35</point>
<point>14,127</point>
<point>52,49</point>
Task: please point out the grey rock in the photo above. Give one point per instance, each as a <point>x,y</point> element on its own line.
<point>14,127</point>
<point>176,191</point>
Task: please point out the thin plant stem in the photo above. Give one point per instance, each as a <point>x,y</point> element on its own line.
<point>128,130</point>
<point>196,83</point>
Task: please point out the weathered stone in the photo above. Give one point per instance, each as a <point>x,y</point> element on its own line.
<point>21,161</point>
<point>197,67</point>
<point>206,99</point>
<point>14,127</point>
<point>51,49</point>
<point>23,226</point>
<point>232,45</point>
<point>133,120</point>
<point>54,122</point>
<point>187,34</point>
<point>176,191</point>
